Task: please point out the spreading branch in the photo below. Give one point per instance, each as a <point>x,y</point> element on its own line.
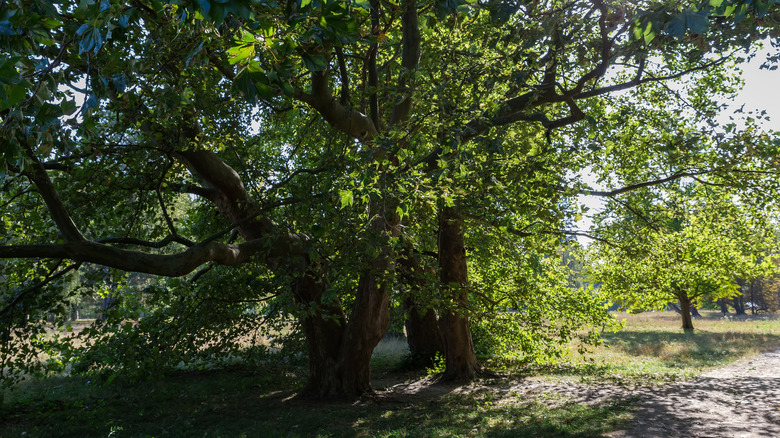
<point>347,120</point>
<point>632,187</point>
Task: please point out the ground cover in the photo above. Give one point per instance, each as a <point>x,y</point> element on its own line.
<point>576,398</point>
<point>653,348</point>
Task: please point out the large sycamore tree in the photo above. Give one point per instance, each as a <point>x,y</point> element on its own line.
<point>315,143</point>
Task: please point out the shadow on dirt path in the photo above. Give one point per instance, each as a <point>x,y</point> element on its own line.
<point>740,400</point>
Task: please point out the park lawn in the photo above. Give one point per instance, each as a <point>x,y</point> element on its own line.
<point>240,402</point>
<point>653,348</point>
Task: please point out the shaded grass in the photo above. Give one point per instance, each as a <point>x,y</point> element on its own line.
<point>389,355</point>
<point>241,403</point>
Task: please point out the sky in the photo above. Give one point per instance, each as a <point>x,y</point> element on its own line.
<point>761,92</point>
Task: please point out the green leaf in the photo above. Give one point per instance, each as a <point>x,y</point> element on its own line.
<point>288,89</point>
<point>676,27</point>
<point>697,22</point>
<point>314,62</point>
<point>762,8</point>
<point>649,33</point>
<point>15,93</point>
<point>362,4</point>
<point>346,198</point>
<point>68,107</point>
<point>240,53</point>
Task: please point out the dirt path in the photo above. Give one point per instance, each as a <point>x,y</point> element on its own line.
<point>740,400</point>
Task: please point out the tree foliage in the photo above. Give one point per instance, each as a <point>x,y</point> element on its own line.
<point>279,160</point>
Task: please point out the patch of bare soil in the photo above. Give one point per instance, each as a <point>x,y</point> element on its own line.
<point>741,400</point>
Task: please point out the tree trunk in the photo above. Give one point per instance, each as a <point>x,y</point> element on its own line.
<point>739,305</point>
<point>324,328</point>
<point>422,333</point>
<point>724,308</point>
<point>753,286</point>
<point>738,301</point>
<point>367,325</point>
<point>340,351</point>
<point>422,326</point>
<point>685,311</point>
<point>461,360</point>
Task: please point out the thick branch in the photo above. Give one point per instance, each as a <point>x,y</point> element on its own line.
<point>59,214</point>
<point>161,244</point>
<point>215,173</point>
<point>174,265</point>
<point>632,187</point>
<point>409,60</point>
<point>639,80</point>
<point>349,121</point>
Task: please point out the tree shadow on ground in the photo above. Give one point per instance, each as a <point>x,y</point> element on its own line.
<point>235,404</point>
<point>713,407</point>
<point>696,349</point>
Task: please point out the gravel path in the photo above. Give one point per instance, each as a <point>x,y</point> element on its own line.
<point>738,401</point>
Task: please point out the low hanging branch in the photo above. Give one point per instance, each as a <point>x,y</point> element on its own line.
<point>173,265</point>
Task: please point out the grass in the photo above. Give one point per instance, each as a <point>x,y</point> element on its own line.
<point>653,348</point>
<point>241,402</point>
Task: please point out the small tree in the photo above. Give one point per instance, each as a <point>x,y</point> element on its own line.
<point>683,264</point>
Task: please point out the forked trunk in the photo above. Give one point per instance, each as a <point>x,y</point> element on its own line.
<point>340,351</point>
<point>461,360</point>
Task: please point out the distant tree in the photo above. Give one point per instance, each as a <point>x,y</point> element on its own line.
<point>695,256</point>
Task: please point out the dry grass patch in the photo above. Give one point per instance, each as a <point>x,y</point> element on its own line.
<point>653,347</point>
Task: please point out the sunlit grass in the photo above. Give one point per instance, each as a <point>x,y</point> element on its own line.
<point>652,346</point>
